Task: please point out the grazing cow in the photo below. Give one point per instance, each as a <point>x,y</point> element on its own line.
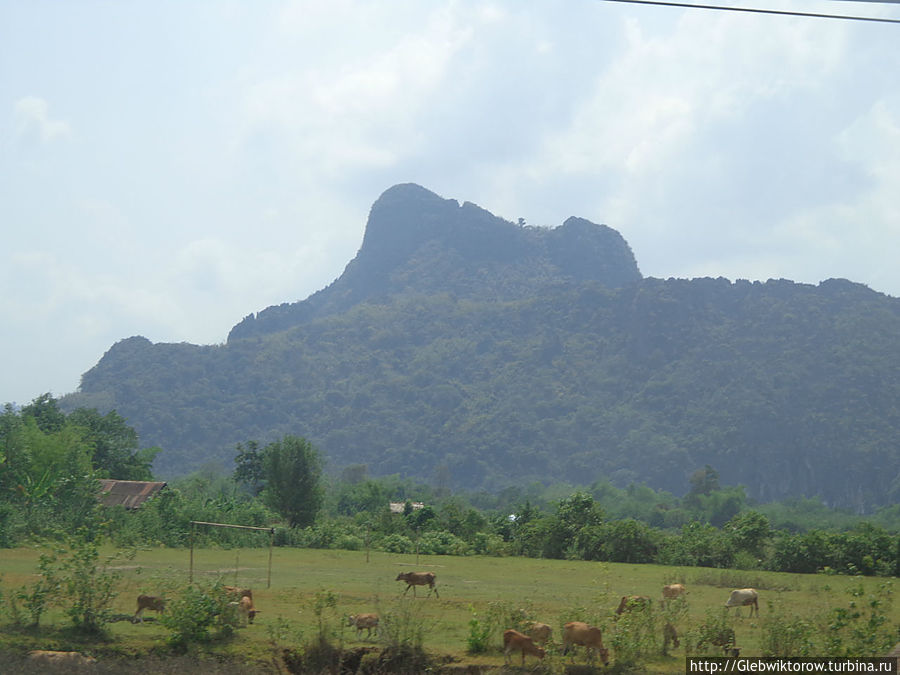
<point>237,592</point>
<point>742,597</point>
<point>367,621</point>
<point>672,591</point>
<point>61,659</point>
<point>414,579</point>
<point>514,641</point>
<point>245,608</point>
<point>630,602</point>
<point>539,632</point>
<point>580,633</point>
<point>670,636</point>
<point>153,602</point>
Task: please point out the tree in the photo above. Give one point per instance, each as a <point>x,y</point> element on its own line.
<point>116,451</point>
<point>750,531</point>
<point>46,413</point>
<point>704,481</point>
<point>249,469</point>
<point>292,468</point>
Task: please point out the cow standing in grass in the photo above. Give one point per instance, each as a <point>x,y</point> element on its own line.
<point>153,602</point>
<point>367,621</point>
<point>514,641</point>
<point>414,579</point>
<point>741,597</point>
<point>539,632</point>
<point>580,633</point>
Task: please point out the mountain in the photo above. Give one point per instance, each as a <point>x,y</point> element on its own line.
<point>418,243</point>
<point>462,348</point>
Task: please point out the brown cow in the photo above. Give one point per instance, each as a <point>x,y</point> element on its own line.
<point>154,602</point>
<point>414,579</point>
<point>60,659</point>
<point>367,621</point>
<point>245,609</point>
<point>513,641</point>
<point>630,602</point>
<point>238,592</point>
<point>539,632</point>
<point>580,633</point>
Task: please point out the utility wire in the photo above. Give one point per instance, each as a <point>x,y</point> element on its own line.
<point>848,17</point>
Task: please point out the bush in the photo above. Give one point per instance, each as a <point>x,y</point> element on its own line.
<point>192,613</point>
<point>784,635</point>
<point>89,587</point>
<point>479,637</point>
<point>396,543</point>
<point>442,543</point>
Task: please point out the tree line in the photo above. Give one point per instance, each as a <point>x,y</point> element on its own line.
<point>50,463</point>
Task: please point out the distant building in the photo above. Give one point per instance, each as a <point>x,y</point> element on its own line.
<point>128,493</point>
<point>400,507</point>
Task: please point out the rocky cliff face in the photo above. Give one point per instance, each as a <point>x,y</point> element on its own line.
<point>419,243</point>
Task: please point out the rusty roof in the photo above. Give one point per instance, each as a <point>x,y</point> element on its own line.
<point>128,493</point>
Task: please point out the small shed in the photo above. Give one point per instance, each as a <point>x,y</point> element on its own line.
<point>400,507</point>
<point>128,493</point>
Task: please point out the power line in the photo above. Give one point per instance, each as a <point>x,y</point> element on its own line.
<point>751,10</point>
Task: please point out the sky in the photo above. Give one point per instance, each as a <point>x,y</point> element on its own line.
<point>169,167</point>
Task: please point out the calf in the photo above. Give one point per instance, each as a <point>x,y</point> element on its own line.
<point>580,633</point>
<point>154,602</point>
<point>514,641</point>
<point>414,579</point>
<point>539,632</point>
<point>367,621</point>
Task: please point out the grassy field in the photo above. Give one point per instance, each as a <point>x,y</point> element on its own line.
<point>551,591</point>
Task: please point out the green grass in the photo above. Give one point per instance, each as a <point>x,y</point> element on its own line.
<point>551,591</point>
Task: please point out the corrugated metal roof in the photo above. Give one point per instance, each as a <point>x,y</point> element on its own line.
<point>128,493</point>
<point>400,507</point>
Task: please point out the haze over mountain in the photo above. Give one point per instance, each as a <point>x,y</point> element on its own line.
<point>464,349</point>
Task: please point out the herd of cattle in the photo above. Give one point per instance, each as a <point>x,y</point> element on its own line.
<point>590,637</point>
<point>531,643</point>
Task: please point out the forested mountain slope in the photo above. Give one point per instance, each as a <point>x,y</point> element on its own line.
<point>465,349</point>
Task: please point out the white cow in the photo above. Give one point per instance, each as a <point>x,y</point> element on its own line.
<point>744,596</point>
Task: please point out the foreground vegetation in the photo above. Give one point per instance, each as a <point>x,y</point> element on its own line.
<point>312,591</point>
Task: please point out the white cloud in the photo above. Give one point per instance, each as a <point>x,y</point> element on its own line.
<point>33,119</point>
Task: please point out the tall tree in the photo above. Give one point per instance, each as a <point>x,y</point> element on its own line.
<point>249,469</point>
<point>115,445</point>
<point>293,468</point>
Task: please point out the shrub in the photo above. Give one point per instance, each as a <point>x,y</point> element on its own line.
<point>861,628</point>
<point>784,635</point>
<point>478,640</point>
<point>442,542</point>
<point>191,615</point>
<point>89,587</point>
<point>396,543</point>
